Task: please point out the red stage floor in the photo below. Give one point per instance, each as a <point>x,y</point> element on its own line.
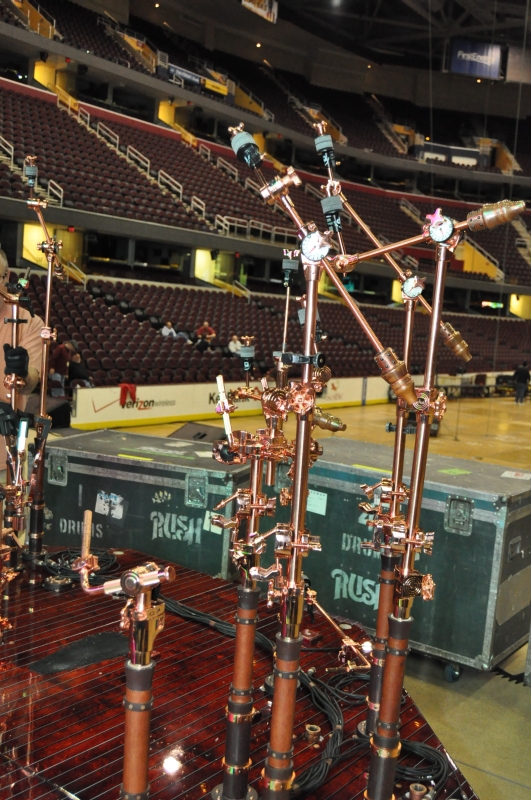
<point>62,735</point>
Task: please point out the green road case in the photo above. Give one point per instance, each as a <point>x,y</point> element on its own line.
<point>481,560</point>
<point>152,494</point>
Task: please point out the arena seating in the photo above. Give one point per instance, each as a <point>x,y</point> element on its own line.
<point>91,175</point>
<point>96,178</point>
<point>79,28</point>
<point>260,81</point>
<point>118,347</point>
<point>221,194</point>
<point>6,15</point>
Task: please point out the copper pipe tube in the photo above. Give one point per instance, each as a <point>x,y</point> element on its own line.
<point>281,740</point>
<point>278,772</point>
<point>423,420</point>
<point>385,742</point>
<point>401,411</point>
<point>136,743</point>
<point>236,762</point>
<point>388,248</point>
<point>366,328</point>
<point>243,657</point>
<point>488,216</point>
<point>379,652</point>
<point>253,523</point>
<point>42,421</point>
<point>277,423</point>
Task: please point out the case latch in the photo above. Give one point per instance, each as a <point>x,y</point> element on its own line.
<point>196,490</point>
<point>58,469</point>
<point>458,515</point>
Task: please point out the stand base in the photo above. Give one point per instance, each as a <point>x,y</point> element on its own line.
<point>217,793</point>
<point>33,558</point>
<point>56,584</point>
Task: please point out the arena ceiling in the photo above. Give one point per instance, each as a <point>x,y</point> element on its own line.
<point>409,31</point>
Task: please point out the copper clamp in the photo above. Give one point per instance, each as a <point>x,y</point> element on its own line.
<point>239,719</point>
<point>230,769</point>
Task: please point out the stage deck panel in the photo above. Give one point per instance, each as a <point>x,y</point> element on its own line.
<point>61,735</point>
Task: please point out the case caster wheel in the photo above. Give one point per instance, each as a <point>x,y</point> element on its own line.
<point>452,672</point>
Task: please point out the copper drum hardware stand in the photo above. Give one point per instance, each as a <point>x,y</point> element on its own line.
<point>50,247</point>
<point>266,448</point>
<point>14,429</point>
<point>403,533</point>
<point>278,774</point>
<point>143,617</point>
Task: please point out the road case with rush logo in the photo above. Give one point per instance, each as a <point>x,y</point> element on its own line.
<point>481,560</point>
<point>145,492</point>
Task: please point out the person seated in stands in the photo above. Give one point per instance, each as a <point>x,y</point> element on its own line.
<point>235,345</point>
<point>59,361</point>
<point>169,330</point>
<point>77,371</point>
<point>202,344</point>
<point>206,331</point>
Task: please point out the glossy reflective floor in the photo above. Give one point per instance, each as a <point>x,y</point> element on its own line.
<point>61,735</point>
<point>483,719</point>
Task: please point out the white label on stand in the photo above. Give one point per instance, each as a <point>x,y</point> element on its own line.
<point>317,502</point>
<point>523,476</point>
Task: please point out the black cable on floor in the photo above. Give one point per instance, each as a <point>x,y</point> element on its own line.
<point>60,564</point>
<point>326,696</point>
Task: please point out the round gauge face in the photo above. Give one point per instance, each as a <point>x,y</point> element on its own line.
<point>441,229</point>
<point>412,288</point>
<point>314,247</point>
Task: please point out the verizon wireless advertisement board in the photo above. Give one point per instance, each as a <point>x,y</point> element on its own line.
<point>112,406</point>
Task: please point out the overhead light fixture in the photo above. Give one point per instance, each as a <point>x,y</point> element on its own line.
<point>369,66</point>
<point>258,44</point>
<point>478,80</point>
<point>157,5</point>
<point>427,138</point>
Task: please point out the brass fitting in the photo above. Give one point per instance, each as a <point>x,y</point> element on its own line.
<point>321,375</point>
<point>301,397</point>
<point>493,214</point>
<point>275,403</point>
<point>396,374</point>
<point>454,341</point>
<point>417,791</point>
<point>327,421</point>
<point>280,185</point>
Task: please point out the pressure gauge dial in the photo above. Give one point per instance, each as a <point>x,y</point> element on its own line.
<point>412,287</point>
<point>314,246</point>
<point>440,228</point>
